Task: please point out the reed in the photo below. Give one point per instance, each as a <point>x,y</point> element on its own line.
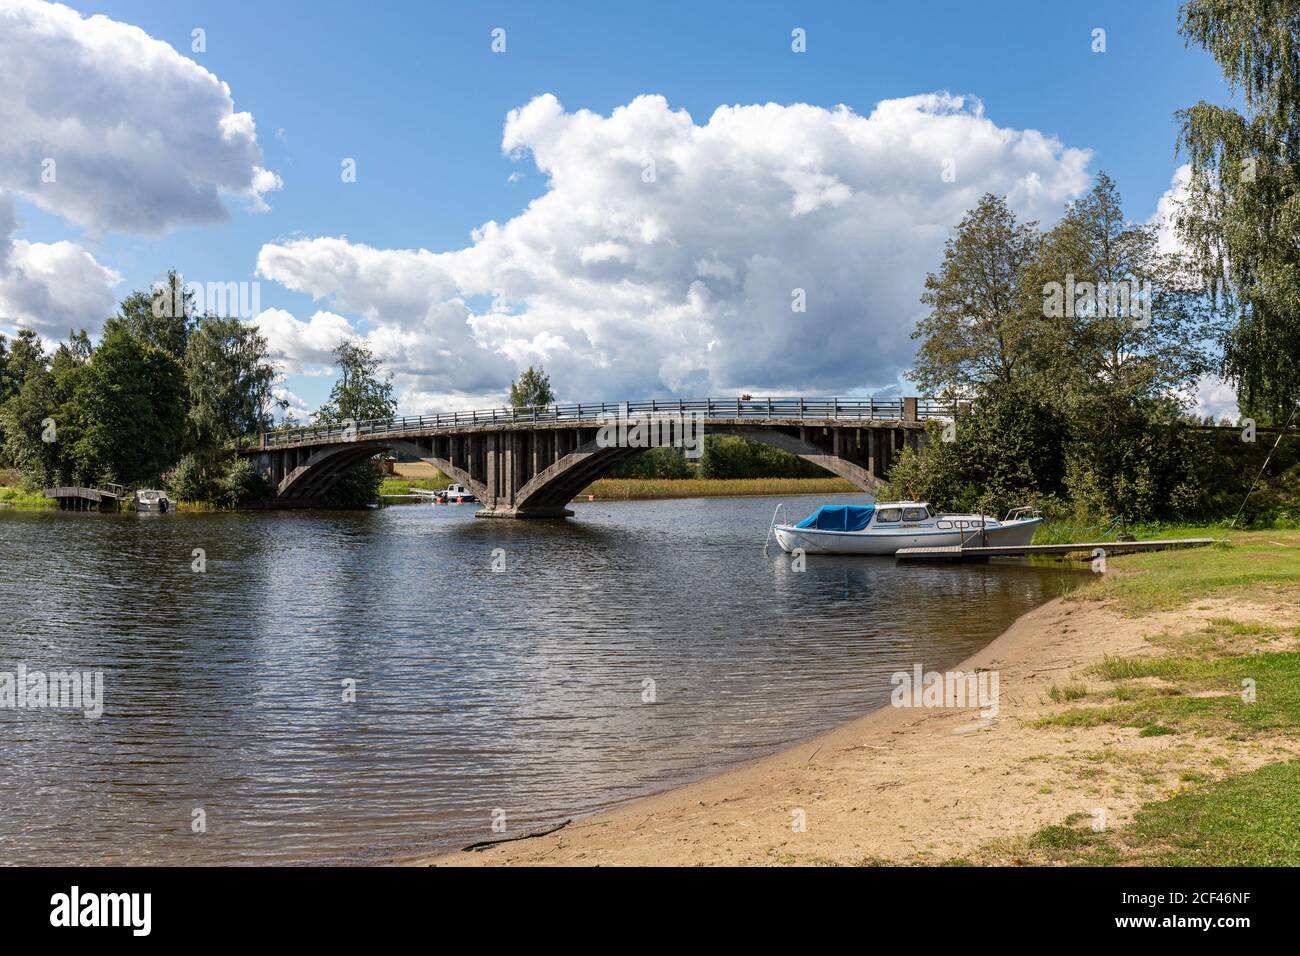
<point>638,489</point>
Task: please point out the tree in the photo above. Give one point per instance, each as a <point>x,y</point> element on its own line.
<point>532,389</point>
<point>126,412</point>
<point>26,416</point>
<point>229,381</point>
<point>980,328</point>
<point>1006,451</point>
<point>360,391</point>
<point>1241,217</point>
<point>1129,321</point>
<point>163,317</point>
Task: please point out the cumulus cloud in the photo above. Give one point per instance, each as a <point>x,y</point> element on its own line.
<point>664,256</point>
<point>52,287</point>
<point>1167,208</point>
<point>112,129</point>
<point>303,347</point>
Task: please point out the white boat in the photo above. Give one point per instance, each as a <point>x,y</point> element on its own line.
<point>452,493</point>
<point>149,499</point>
<point>886,526</point>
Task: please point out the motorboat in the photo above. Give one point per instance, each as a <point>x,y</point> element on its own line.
<point>458,494</point>
<point>886,526</point>
<point>150,499</point>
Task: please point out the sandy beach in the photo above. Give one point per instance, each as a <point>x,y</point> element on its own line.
<point>927,785</point>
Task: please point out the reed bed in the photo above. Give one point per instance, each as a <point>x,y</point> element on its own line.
<point>638,489</point>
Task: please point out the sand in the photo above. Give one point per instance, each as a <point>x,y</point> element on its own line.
<point>917,785</point>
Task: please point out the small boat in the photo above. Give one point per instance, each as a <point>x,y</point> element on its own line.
<point>452,494</point>
<point>149,499</point>
<point>886,526</point>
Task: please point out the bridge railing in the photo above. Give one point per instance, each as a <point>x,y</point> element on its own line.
<point>798,409</point>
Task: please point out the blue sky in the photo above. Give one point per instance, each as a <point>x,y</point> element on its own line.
<point>414,93</point>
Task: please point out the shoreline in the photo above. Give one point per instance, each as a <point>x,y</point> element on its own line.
<point>866,788</point>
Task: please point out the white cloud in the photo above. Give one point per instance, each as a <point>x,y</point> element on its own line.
<point>303,347</point>
<point>1167,207</point>
<point>52,287</point>
<point>663,255</point>
<point>294,405</point>
<point>1215,397</point>
<point>142,139</point>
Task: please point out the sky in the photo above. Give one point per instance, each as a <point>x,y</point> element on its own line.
<point>637,196</point>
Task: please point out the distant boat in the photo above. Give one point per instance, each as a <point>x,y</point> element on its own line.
<point>457,494</point>
<point>886,526</point>
<point>149,499</point>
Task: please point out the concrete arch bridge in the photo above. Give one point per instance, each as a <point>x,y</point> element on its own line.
<point>530,463</point>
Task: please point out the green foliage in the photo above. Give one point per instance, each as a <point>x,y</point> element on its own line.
<point>191,481</point>
<point>655,463</point>
<point>162,317</point>
<point>1241,217</point>
<point>228,381</point>
<point>355,488</point>
<point>981,327</point>
<point>126,413</point>
<point>1075,347</point>
<point>532,388</point>
<point>27,416</point>
<point>360,391</point>
<point>727,456</point>
<point>1008,450</point>
<point>241,483</point>
<point>158,383</point>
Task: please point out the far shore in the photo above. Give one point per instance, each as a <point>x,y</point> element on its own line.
<point>905,785</point>
<point>650,489</point>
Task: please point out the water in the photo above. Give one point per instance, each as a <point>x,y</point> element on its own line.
<point>520,691</point>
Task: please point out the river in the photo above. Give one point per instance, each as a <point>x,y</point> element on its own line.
<point>636,646</point>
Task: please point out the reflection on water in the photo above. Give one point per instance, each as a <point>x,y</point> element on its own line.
<point>475,691</point>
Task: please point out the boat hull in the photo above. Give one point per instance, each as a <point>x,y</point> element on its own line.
<point>815,541</point>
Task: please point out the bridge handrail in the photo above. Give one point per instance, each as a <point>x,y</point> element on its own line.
<point>820,409</point>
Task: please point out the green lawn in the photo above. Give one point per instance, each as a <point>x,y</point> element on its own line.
<point>1161,580</point>
<point>1249,820</point>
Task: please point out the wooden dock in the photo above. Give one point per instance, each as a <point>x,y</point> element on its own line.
<point>80,498</point>
<point>971,553</point>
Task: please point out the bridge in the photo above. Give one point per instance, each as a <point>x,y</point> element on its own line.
<point>531,462</point>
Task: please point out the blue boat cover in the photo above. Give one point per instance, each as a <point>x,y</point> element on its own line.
<point>838,518</point>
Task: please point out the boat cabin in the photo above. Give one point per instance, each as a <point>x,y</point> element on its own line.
<point>890,515</point>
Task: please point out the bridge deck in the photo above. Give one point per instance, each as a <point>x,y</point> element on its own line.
<point>906,413</point>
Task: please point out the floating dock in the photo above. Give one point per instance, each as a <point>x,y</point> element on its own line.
<point>973,553</point>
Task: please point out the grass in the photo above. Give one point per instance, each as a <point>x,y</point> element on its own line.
<point>633,489</point>
<point>1248,820</point>
<point>1253,563</point>
<point>1210,697</point>
<point>401,486</point>
<point>17,497</point>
